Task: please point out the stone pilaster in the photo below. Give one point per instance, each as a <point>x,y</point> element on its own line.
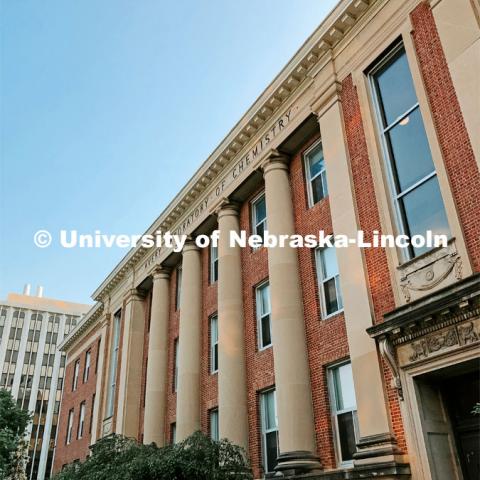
<point>157,366</point>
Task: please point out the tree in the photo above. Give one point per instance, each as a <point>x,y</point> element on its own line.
<point>13,424</point>
<point>196,458</point>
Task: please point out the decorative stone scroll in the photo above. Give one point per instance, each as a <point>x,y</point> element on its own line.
<point>435,269</point>
<point>387,352</point>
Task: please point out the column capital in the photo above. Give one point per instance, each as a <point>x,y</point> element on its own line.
<point>190,246</point>
<point>133,294</point>
<point>227,208</point>
<point>274,160</point>
<point>326,98</point>
<point>160,272</point>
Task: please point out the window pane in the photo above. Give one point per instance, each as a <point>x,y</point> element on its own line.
<point>260,210</point>
<point>331,301</point>
<point>214,434</point>
<point>344,389</point>
<point>214,330</point>
<point>265,299</point>
<point>266,335</point>
<point>270,418</point>
<point>346,433</point>
<point>425,211</point>
<point>329,262</point>
<point>318,191</point>
<point>260,229</point>
<point>271,440</point>
<point>315,161</point>
<point>410,150</point>
<point>395,86</point>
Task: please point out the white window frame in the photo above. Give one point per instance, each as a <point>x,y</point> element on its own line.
<point>260,315</point>
<point>86,371</point>
<point>334,414</point>
<point>76,373</point>
<point>256,223</point>
<point>322,279</point>
<point>213,343</point>
<point>322,173</point>
<point>71,414</point>
<point>176,343</point>
<point>401,221</point>
<point>81,421</point>
<point>213,420</point>
<point>263,421</point>
<point>213,264</point>
<point>114,362</point>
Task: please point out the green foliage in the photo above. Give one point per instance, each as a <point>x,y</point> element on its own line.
<point>13,423</point>
<point>196,458</point>
<point>476,409</point>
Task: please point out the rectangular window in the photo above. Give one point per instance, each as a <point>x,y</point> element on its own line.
<point>213,427</point>
<point>68,438</point>
<point>316,174</point>
<point>178,288</point>
<point>86,371</point>
<point>81,420</point>
<point>329,281</point>
<point>213,264</point>
<point>269,424</point>
<point>91,414</point>
<point>214,343</point>
<point>173,433</point>
<point>175,365</point>
<point>259,216</point>
<point>263,315</point>
<point>344,411</point>
<point>98,355</point>
<point>112,381</point>
<point>76,370</point>
<point>415,190</point>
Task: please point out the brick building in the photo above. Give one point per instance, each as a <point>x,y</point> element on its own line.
<point>340,361</point>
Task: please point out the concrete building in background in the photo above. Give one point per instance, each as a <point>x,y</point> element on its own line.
<point>357,363</point>
<point>32,368</point>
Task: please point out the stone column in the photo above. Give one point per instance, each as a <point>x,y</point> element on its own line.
<point>376,439</point>
<point>232,382</point>
<point>292,373</point>
<point>130,364</point>
<point>156,386</point>
<point>188,392</point>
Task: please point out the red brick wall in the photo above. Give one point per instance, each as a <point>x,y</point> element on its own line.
<point>453,138</point>
<point>326,339</point>
<point>209,382</point>
<point>78,448</point>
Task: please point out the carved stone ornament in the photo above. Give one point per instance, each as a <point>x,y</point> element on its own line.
<point>430,271</point>
<point>387,352</point>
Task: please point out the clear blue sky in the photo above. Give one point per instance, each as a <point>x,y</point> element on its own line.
<point>107,109</point>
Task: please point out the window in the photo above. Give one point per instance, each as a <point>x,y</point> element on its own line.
<point>269,424</point>
<point>86,371</point>
<point>259,216</point>
<point>81,420</point>
<point>175,365</point>
<point>213,264</point>
<point>76,370</point>
<point>213,427</point>
<point>173,433</point>
<point>316,174</point>
<point>329,281</point>
<point>263,315</point>
<point>214,343</point>
<point>344,411</point>
<point>91,414</point>
<point>98,355</point>
<point>415,190</point>
<point>179,288</point>
<point>113,362</point>
<point>68,439</point>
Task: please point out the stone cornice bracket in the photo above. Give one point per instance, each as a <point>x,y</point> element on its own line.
<point>274,160</point>
<point>388,354</point>
<point>190,245</point>
<point>133,294</point>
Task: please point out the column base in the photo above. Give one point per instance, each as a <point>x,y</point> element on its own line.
<point>296,463</point>
<point>376,449</point>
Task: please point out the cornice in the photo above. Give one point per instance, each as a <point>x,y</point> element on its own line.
<point>78,332</point>
<point>293,76</point>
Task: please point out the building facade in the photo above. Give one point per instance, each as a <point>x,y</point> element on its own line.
<point>33,368</point>
<point>337,361</point>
